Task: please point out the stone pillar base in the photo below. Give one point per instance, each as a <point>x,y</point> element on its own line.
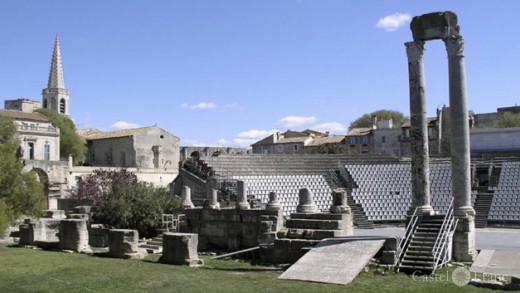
<point>243,205</point>
<point>464,239</point>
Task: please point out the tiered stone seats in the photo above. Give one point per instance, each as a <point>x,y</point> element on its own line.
<point>505,205</point>
<point>385,190</point>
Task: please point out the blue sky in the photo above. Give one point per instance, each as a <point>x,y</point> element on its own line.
<point>229,72</point>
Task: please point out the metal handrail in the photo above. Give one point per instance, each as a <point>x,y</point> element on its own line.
<point>441,243</point>
<point>408,234</point>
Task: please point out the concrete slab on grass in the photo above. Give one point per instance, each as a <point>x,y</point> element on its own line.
<point>334,261</point>
<point>503,262</point>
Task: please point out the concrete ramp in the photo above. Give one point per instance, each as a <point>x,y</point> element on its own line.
<point>503,262</point>
<point>334,261</point>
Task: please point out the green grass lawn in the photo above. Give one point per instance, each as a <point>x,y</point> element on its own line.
<point>28,270</point>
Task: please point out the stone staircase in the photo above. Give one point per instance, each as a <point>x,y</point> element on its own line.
<point>418,256</point>
<point>482,206</point>
<point>360,219</point>
<point>154,246</point>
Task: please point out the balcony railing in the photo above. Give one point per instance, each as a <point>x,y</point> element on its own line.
<point>36,129</point>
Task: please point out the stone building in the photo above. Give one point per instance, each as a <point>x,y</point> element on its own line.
<point>360,140</point>
<point>145,147</point>
<point>295,142</point>
<point>39,140</point>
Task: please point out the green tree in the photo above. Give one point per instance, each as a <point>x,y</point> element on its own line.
<point>367,119</point>
<point>121,201</point>
<point>20,193</point>
<point>508,119</point>
<point>70,142</point>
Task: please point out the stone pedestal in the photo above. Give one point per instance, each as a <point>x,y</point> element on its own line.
<point>180,249</point>
<point>273,204</point>
<point>339,202</point>
<point>463,249</point>
<point>74,235</point>
<point>55,214</point>
<point>242,203</point>
<point>306,202</point>
<point>124,244</point>
<point>212,200</point>
<point>186,198</point>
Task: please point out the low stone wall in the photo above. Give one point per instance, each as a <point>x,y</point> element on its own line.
<point>45,230</point>
<point>98,235</point>
<point>231,229</point>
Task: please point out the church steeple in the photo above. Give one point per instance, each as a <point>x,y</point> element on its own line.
<point>56,96</point>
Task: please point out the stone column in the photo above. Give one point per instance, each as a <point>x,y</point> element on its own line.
<point>418,129</point>
<point>306,202</point>
<point>339,202</point>
<point>242,203</point>
<point>464,237</point>
<point>273,204</point>
<point>213,200</point>
<point>186,198</point>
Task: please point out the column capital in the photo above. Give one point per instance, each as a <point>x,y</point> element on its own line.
<point>414,51</point>
<point>454,46</point>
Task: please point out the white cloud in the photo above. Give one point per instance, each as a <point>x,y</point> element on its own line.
<point>200,106</point>
<point>246,138</point>
<point>124,125</point>
<point>394,21</point>
<point>334,127</point>
<point>233,105</point>
<point>293,121</point>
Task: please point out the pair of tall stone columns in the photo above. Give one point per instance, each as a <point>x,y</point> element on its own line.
<point>430,27</point>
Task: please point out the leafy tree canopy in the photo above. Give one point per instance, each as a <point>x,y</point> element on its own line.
<point>20,193</point>
<point>70,142</point>
<point>367,119</point>
<point>508,119</point>
<point>121,201</point>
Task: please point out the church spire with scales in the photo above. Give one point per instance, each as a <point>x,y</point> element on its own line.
<point>56,96</point>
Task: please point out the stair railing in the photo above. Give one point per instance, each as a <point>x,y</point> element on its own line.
<point>441,249</point>
<point>408,235</point>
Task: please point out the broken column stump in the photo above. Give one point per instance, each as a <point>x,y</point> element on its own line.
<point>74,235</point>
<point>180,249</point>
<point>124,244</point>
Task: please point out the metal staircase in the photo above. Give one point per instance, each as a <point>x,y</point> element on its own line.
<point>427,242</point>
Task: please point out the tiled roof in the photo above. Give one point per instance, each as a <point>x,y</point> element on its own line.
<point>299,139</point>
<point>359,131</point>
<point>24,115</point>
<point>326,139</point>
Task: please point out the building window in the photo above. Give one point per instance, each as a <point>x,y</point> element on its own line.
<point>406,132</point>
<point>280,148</point>
<point>383,139</point>
<point>364,140</point>
<point>352,140</point>
<point>295,148</point>
<point>62,106</point>
<point>47,152</point>
<point>31,150</point>
<point>45,103</point>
